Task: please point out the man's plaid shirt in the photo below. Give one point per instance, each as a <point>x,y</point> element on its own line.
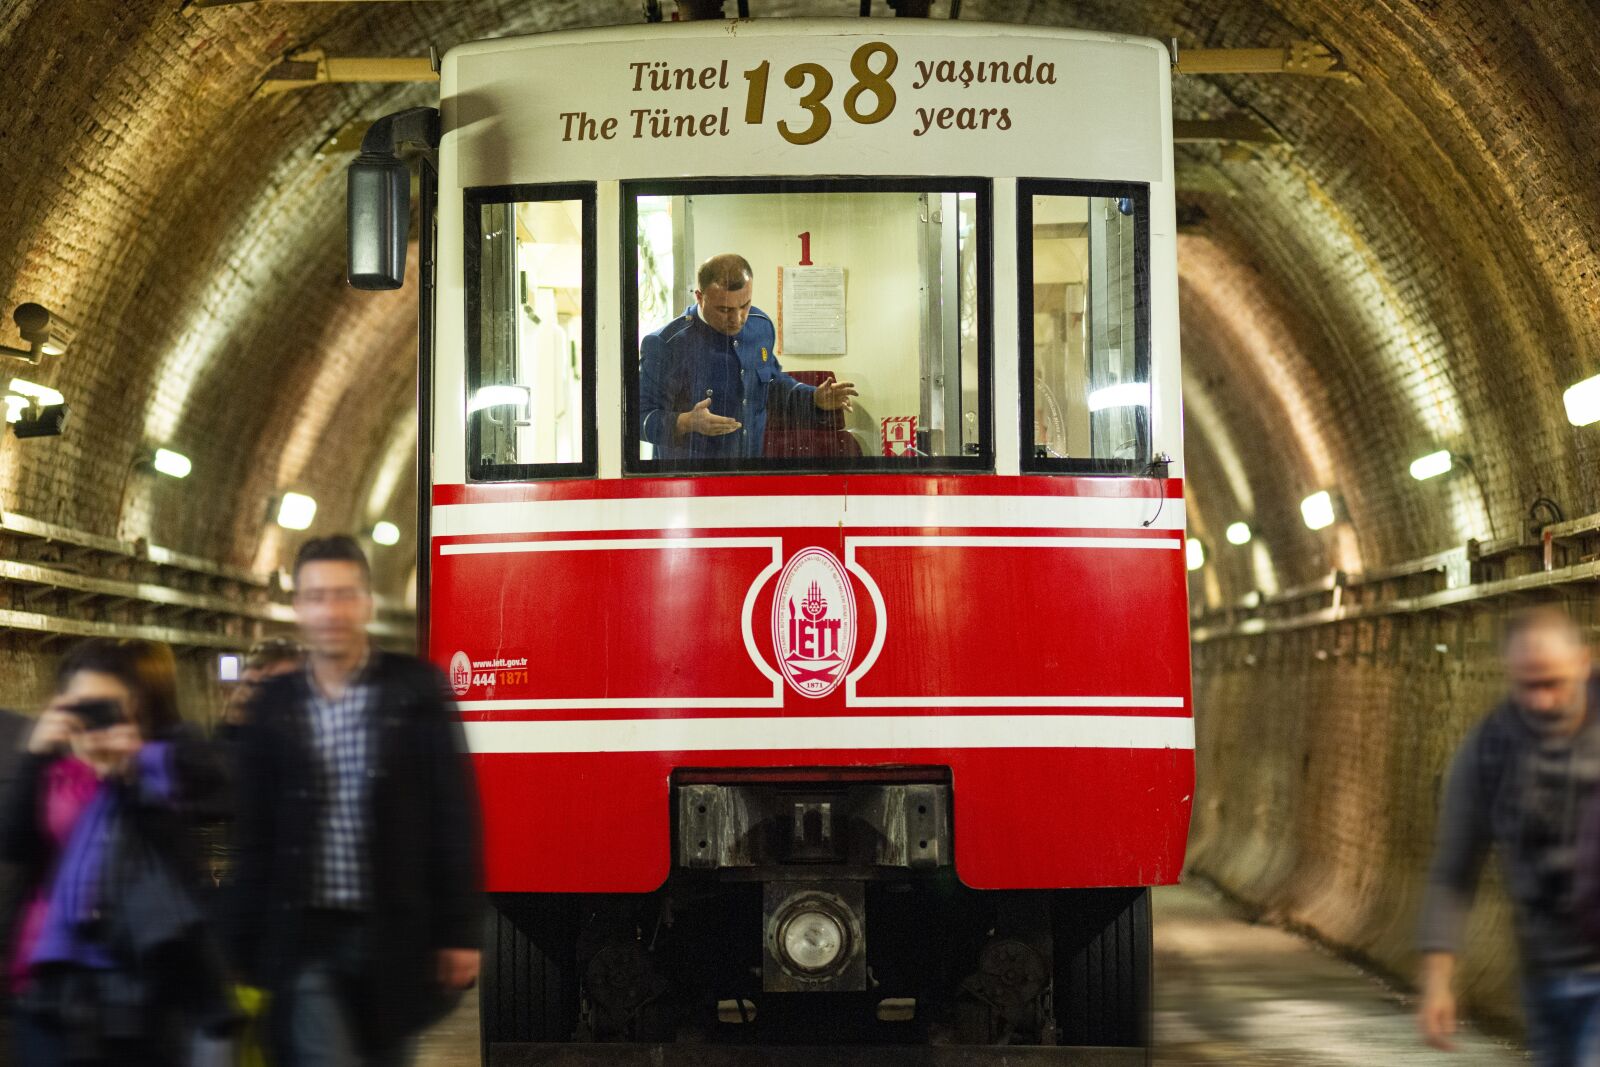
<point>341,742</point>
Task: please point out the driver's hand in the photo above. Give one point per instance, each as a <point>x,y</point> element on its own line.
<point>700,419</point>
<point>834,395</point>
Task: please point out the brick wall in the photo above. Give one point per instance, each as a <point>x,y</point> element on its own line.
<point>1320,760</point>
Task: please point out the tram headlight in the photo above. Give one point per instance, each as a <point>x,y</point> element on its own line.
<point>812,940</point>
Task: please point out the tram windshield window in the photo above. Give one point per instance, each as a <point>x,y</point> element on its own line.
<point>1085,315</point>
<point>809,327</point>
<point>526,352</point>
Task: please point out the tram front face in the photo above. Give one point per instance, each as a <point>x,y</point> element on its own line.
<point>712,621</point>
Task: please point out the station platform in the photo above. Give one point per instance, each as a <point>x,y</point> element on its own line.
<point>1227,992</point>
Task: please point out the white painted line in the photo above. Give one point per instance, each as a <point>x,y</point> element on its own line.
<point>783,512</point>
<point>827,732</point>
<point>1014,702</point>
<point>1014,542</point>
<point>625,703</point>
<point>609,544</point>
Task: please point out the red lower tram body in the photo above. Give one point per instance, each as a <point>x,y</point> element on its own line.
<point>908,747</point>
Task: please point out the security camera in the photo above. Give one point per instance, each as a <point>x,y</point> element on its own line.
<point>46,333</point>
<point>46,421</point>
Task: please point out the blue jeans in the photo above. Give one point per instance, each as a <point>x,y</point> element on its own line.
<point>1563,1010</point>
<point>317,1028</point>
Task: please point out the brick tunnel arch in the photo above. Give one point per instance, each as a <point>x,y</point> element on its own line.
<point>1411,266</point>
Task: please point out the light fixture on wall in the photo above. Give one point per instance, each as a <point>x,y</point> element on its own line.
<point>1194,554</point>
<point>386,533</point>
<point>34,410</point>
<point>35,421</point>
<point>1238,533</point>
<point>296,511</point>
<point>1318,510</point>
<point>1583,401</point>
<point>172,464</point>
<point>1432,465</point>
<point>46,333</point>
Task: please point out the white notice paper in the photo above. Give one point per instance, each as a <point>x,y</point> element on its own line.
<point>813,311</point>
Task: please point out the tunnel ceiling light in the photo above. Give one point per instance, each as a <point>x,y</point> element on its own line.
<point>1431,466</point>
<point>1125,395</point>
<point>296,511</point>
<point>15,406</point>
<point>386,533</point>
<point>1317,510</point>
<point>1194,554</point>
<point>1583,401</point>
<point>42,394</point>
<point>172,464</point>
<point>1238,534</point>
<point>493,396</point>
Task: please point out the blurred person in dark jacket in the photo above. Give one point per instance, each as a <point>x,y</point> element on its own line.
<point>1522,782</point>
<point>357,835</point>
<point>14,728</point>
<point>110,961</point>
<point>266,659</point>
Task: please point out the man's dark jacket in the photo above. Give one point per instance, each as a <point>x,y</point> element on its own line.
<point>423,851</point>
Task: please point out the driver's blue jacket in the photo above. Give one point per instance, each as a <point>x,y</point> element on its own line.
<point>685,361</point>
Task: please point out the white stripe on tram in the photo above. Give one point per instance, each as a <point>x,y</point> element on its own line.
<point>833,732</point>
<point>661,544</point>
<point>782,512</point>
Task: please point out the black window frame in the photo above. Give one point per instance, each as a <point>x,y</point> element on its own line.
<point>633,466</point>
<point>475,199</point>
<point>1139,193</point>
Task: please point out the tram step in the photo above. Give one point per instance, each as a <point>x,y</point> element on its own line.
<point>628,1055</point>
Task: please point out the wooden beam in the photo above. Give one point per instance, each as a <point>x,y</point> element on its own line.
<point>1240,129</point>
<point>302,70</point>
<point>1311,59</point>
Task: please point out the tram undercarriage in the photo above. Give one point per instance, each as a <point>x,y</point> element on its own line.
<point>823,910</point>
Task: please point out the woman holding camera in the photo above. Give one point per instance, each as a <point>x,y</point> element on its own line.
<point>110,960</point>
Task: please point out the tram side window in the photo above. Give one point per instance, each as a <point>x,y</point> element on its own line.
<point>1090,378</point>
<point>525,401</point>
<point>808,328</point>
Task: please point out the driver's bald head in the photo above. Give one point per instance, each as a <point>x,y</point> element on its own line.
<point>729,271</point>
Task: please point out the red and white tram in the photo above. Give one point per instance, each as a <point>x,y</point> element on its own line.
<point>874,720</point>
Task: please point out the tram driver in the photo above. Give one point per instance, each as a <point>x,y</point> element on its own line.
<point>708,377</point>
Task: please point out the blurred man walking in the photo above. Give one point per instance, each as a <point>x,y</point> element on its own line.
<point>357,836</point>
<point>1522,781</point>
